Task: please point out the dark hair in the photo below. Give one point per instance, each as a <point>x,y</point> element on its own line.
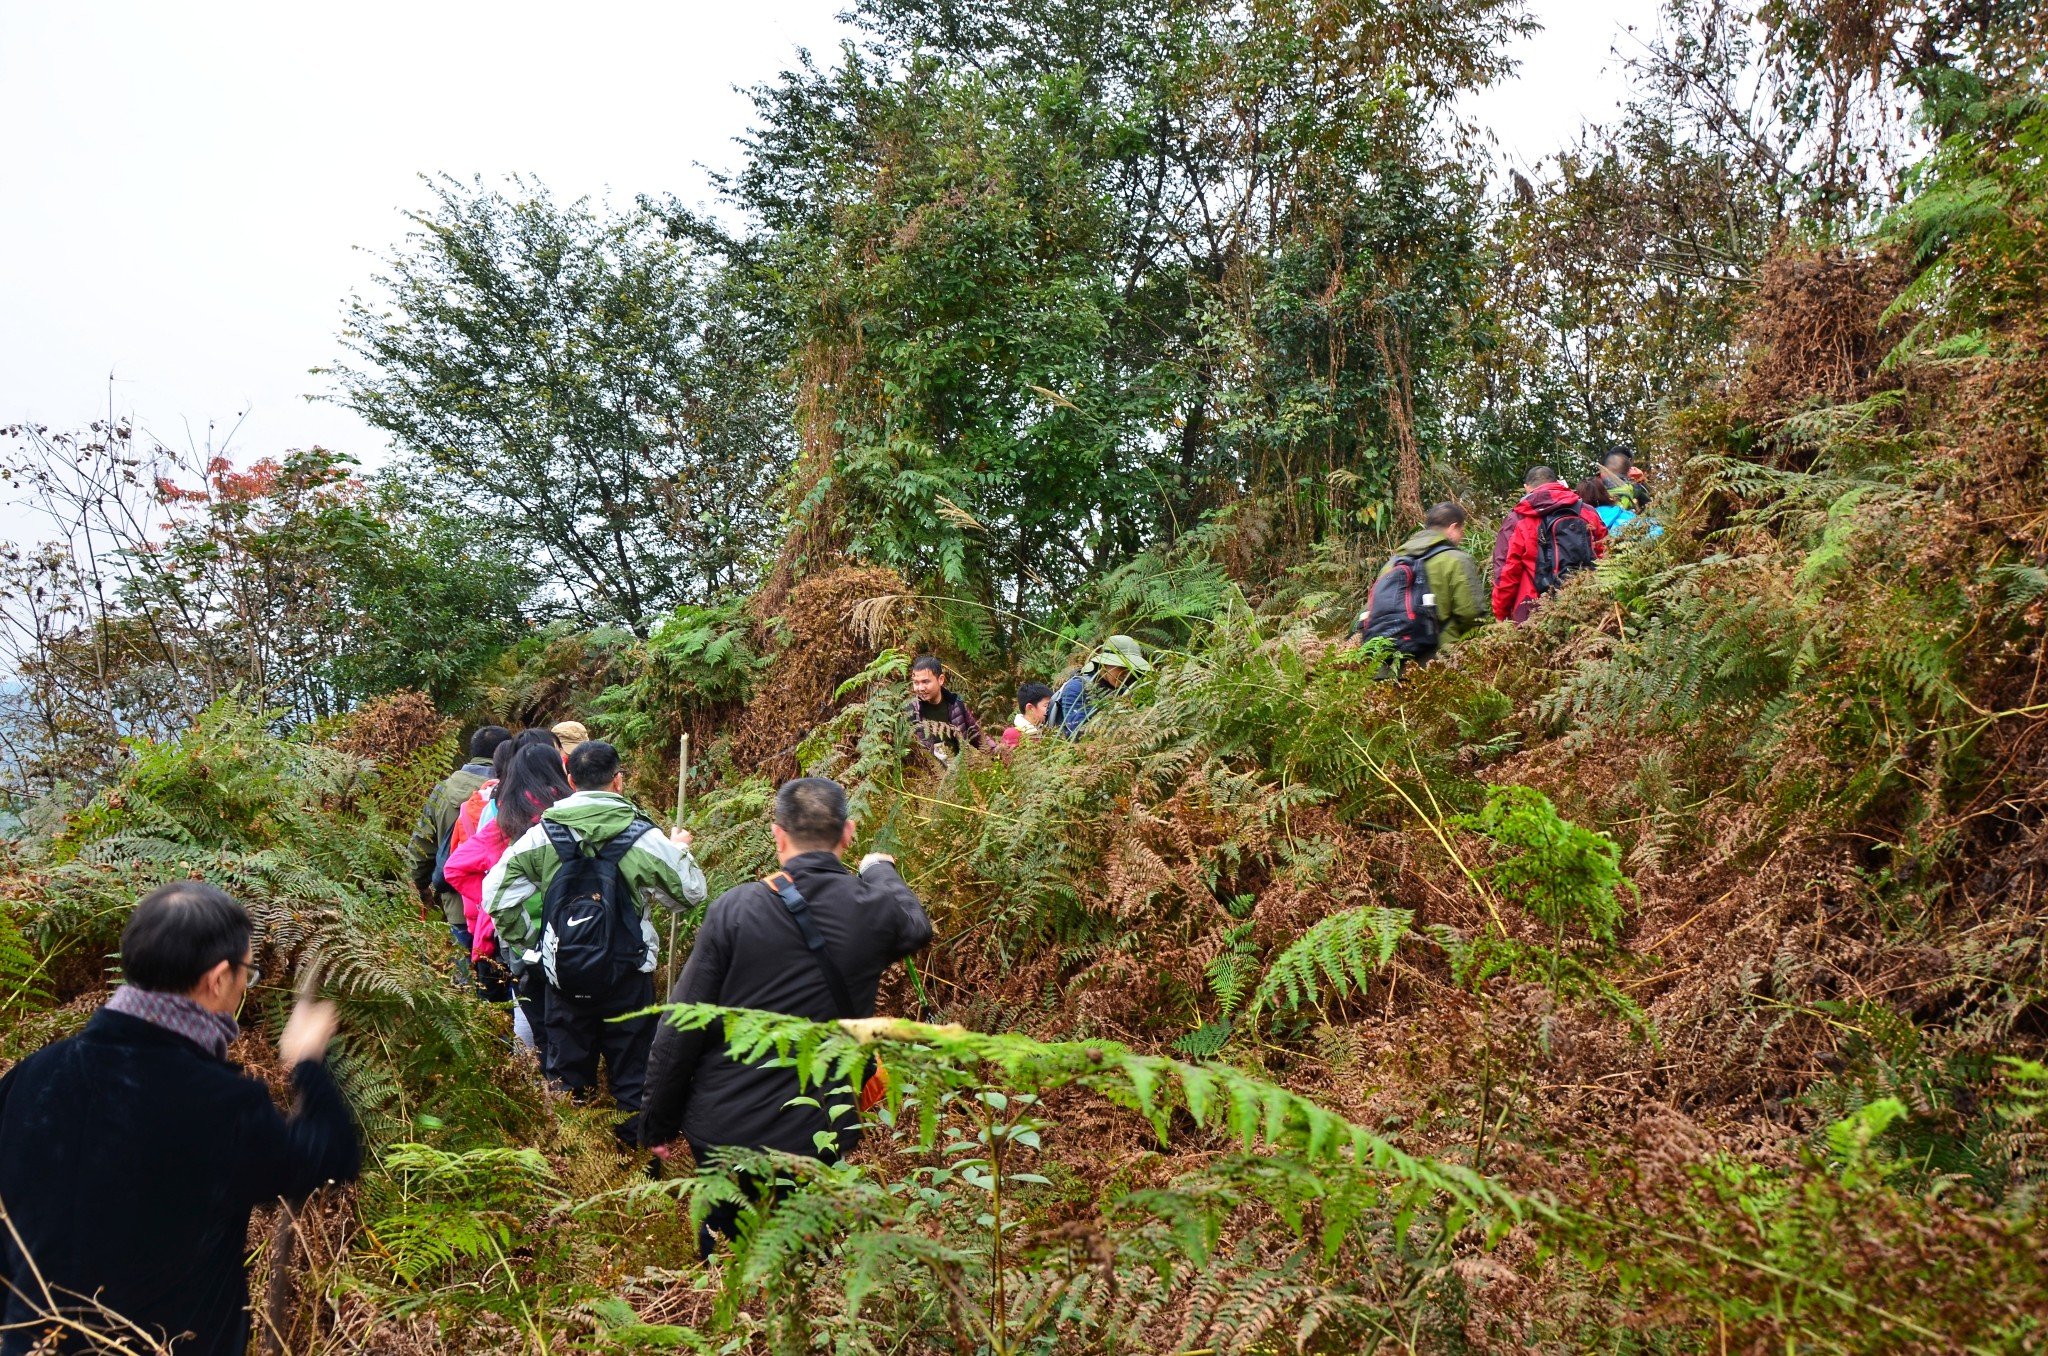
<point>812,811</point>
<point>1032,693</point>
<point>180,931</point>
<point>928,663</point>
<point>1608,459</point>
<point>485,741</point>
<point>533,782</point>
<point>1593,491</point>
<point>1538,475</point>
<point>592,765</point>
<point>1444,515</point>
<point>533,736</point>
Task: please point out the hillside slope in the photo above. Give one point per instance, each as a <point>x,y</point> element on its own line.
<point>1664,975</point>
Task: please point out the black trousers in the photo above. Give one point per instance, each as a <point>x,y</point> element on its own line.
<point>724,1219</point>
<point>579,1032</point>
<point>493,980</point>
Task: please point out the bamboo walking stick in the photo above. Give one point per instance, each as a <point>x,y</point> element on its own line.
<point>682,795</point>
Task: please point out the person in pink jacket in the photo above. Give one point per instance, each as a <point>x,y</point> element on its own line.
<point>464,871</point>
<point>533,781</point>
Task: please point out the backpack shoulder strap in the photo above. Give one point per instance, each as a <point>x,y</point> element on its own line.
<point>622,842</point>
<point>800,910</point>
<point>1435,550</point>
<point>566,845</point>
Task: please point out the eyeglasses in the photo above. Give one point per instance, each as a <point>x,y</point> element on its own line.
<point>255,973</point>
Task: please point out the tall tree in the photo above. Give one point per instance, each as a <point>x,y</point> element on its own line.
<point>1066,276</point>
<point>1617,280</point>
<point>581,388</point>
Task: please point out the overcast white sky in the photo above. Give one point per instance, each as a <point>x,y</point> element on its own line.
<point>191,189</point>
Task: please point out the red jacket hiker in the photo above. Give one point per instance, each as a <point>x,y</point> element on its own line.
<point>1514,550</point>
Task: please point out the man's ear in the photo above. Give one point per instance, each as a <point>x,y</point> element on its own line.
<point>846,835</point>
<point>214,980</point>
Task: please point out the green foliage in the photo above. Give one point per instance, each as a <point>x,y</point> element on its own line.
<point>1057,281</point>
<point>1340,951</point>
<point>421,608</point>
<point>730,829</point>
<point>1971,223</point>
<point>431,1210</point>
<point>23,985</point>
<point>1566,973</point>
<point>2020,1138</point>
<point>296,831</point>
<point>558,672</point>
<point>1621,272</point>
<point>586,388</point>
<point>698,663</point>
<point>1827,1257</point>
<point>173,582</point>
<point>702,654</point>
<point>950,1244</point>
<point>864,746</point>
<point>1109,267</point>
<point>1233,968</point>
<point>1568,877</point>
<point>1161,595</point>
<point>1850,1139</point>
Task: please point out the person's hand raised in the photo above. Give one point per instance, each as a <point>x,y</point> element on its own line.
<point>680,836</point>
<point>307,1032</point>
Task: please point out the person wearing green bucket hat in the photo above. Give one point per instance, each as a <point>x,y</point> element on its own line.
<point>1105,673</point>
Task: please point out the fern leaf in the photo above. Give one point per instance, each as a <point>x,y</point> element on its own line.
<point>1341,952</point>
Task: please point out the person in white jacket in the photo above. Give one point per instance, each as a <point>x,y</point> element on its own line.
<point>1034,704</point>
<point>579,1028</point>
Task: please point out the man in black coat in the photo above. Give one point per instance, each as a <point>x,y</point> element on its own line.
<point>132,1153</point>
<point>751,953</point>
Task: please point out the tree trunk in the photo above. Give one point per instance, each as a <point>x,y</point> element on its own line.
<point>1393,349</point>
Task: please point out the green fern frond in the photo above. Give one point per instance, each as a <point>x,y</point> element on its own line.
<point>1342,951</point>
<point>22,981</point>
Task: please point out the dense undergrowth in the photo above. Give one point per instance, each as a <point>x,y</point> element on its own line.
<point>1664,976</point>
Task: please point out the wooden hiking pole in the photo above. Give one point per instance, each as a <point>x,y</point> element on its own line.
<point>682,795</point>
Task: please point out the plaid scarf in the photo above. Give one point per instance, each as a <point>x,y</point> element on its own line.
<point>210,1031</point>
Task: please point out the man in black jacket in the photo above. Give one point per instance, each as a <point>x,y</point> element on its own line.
<point>132,1153</point>
<point>751,953</point>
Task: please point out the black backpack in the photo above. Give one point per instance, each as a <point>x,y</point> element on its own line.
<point>590,923</point>
<point>1564,546</point>
<point>1402,608</point>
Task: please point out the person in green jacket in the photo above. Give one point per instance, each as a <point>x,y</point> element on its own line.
<point>1453,575</point>
<point>656,869</point>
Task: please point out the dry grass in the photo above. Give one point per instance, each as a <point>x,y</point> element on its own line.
<point>819,648</point>
<point>1813,332</point>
